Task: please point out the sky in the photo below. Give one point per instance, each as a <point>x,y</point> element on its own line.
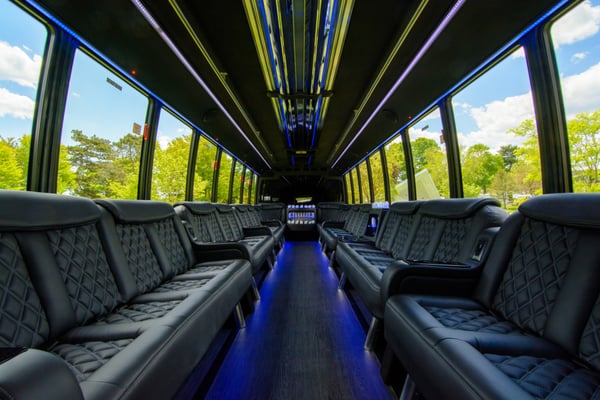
<point>102,104</point>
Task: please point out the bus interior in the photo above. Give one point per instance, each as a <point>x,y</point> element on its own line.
<point>317,199</point>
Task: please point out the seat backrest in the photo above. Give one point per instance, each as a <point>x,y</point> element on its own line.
<point>54,273</point>
<point>202,220</point>
<point>244,215</point>
<point>543,273</point>
<point>449,230</point>
<point>232,228</point>
<point>330,211</point>
<point>152,241</point>
<point>396,224</point>
<point>272,211</point>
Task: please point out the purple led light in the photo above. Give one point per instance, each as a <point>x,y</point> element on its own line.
<point>455,8</point>
<point>191,70</point>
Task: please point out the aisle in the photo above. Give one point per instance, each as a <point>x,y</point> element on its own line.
<point>302,342</point>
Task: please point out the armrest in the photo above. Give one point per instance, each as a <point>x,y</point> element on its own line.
<point>36,374</point>
<point>272,222</point>
<point>356,239</point>
<point>421,277</point>
<point>256,231</point>
<point>219,251</point>
<point>332,224</point>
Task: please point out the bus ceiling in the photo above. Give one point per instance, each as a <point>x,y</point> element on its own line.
<point>297,85</point>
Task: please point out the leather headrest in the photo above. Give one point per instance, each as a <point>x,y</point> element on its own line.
<point>572,209</point>
<point>36,211</point>
<point>136,211</point>
<point>456,208</point>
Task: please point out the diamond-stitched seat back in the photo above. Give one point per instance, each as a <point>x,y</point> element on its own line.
<point>535,273</point>
<point>452,241</point>
<point>82,263</point>
<point>254,216</point>
<point>140,257</point>
<point>23,322</point>
<point>589,345</point>
<point>171,242</point>
<point>421,242</point>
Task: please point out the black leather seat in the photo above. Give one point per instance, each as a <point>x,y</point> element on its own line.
<point>217,232</point>
<point>441,234</point>
<point>111,323</point>
<point>355,226</point>
<point>249,218</point>
<point>530,329</point>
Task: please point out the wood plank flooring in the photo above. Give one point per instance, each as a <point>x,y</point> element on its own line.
<point>303,341</point>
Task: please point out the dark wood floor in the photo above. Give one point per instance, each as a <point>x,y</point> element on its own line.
<point>302,342</point>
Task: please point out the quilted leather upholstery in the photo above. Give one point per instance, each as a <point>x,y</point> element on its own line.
<point>86,358</point>
<point>137,312</point>
<point>450,244</point>
<point>421,241</point>
<point>207,268</point>
<point>172,245</point>
<point>471,320</point>
<point>23,322</point>
<point>401,237</point>
<point>549,378</point>
<point>182,285</point>
<point>535,273</point>
<point>85,271</point>
<point>140,257</point>
<point>589,346</point>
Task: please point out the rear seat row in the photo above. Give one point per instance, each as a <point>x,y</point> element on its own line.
<point>106,299</point>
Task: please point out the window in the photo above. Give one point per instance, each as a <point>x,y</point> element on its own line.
<point>347,178</point>
<point>249,181</point>
<point>497,134</point>
<point>238,179</point>
<point>396,167</point>
<point>576,39</point>
<point>356,189</point>
<point>102,133</point>
<point>364,182</point>
<point>205,167</point>
<point>377,176</point>
<point>224,178</point>
<point>22,43</point>
<point>171,155</point>
<point>429,157</point>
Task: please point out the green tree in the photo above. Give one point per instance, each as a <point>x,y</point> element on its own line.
<point>205,167</point>
<point>396,166</point>
<point>91,158</point>
<point>528,172</point>
<point>377,174</point>
<point>479,168</point>
<point>584,140</point>
<point>170,170</point>
<point>11,173</point>
<point>427,154</point>
<point>224,178</point>
<point>508,153</point>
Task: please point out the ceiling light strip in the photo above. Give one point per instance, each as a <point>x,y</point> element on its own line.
<point>399,43</point>
<point>447,18</point>
<point>185,62</point>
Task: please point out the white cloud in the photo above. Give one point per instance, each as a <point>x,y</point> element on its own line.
<point>582,91</point>
<point>577,57</point>
<point>15,105</point>
<point>518,53</point>
<point>580,23</point>
<point>495,119</point>
<point>163,141</point>
<point>17,66</point>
